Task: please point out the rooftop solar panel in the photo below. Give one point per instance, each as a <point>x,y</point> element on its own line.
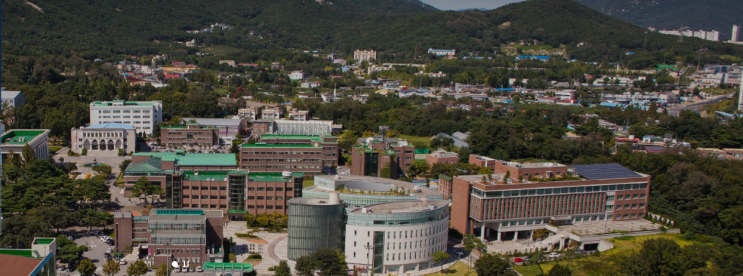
<point>604,171</point>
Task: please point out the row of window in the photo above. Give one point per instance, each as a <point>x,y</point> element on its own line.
<point>626,206</point>
<point>102,134</point>
<point>562,190</point>
<point>627,197</point>
<point>284,153</point>
<point>213,206</point>
<point>268,198</point>
<point>204,188</point>
<point>205,197</point>
<point>280,167</point>
<point>178,251</point>
<point>627,216</point>
<point>267,207</point>
<point>278,189</point>
<point>194,133</point>
<point>280,160</point>
<point>124,111</point>
<point>128,123</point>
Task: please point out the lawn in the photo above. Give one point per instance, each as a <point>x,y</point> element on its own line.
<point>54,149</point>
<point>309,183</point>
<point>119,180</point>
<point>412,139</point>
<point>595,265</point>
<point>459,269</point>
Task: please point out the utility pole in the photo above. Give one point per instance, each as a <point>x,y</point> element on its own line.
<point>369,249</point>
<point>168,257</point>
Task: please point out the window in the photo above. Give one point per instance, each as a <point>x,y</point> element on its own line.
<point>269,189</point>
<point>279,189</point>
<point>634,206</point>
<point>260,206</point>
<point>251,189</point>
<point>260,197</point>
<point>261,189</point>
<point>642,196</point>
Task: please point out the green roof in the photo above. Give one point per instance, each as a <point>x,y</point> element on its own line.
<point>187,212</point>
<point>272,177</point>
<point>98,103</point>
<point>185,127</point>
<point>237,211</point>
<point>20,252</point>
<point>43,241</point>
<point>217,176</point>
<point>445,177</point>
<point>228,266</point>
<point>314,138</point>
<point>193,159</point>
<point>20,137</point>
<point>264,145</point>
<point>423,151</point>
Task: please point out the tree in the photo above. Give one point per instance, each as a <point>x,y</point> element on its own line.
<point>86,267</point>
<point>124,164</point>
<point>282,269</point>
<point>29,154</point>
<point>162,270</point>
<point>138,268</point>
<point>69,251</point>
<point>440,257</point>
<point>305,266</point>
<point>560,270</point>
<point>19,231</point>
<point>507,177</point>
<point>418,168</point>
<point>143,187</point>
<point>111,267</point>
<point>493,264</point>
<point>470,243</point>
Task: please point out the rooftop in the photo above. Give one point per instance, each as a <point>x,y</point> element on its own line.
<point>184,214</point>
<point>264,145</point>
<point>125,103</point>
<point>228,266</point>
<point>18,261</point>
<point>403,206</point>
<point>110,126</point>
<point>43,240</point>
<point>533,165</point>
<point>314,138</point>
<point>21,136</point>
<point>604,171</point>
<point>10,94</point>
<point>215,121</point>
<point>369,181</point>
<point>311,201</point>
<point>193,159</point>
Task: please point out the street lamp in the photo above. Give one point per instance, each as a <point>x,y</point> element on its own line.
<point>369,248</point>
<point>168,255</point>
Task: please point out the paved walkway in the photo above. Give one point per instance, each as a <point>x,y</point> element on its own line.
<point>272,248</point>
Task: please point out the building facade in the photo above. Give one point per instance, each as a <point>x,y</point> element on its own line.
<point>299,115</point>
<point>440,52</point>
<point>142,115</point>
<point>314,224</point>
<point>213,182</point>
<point>726,153</point>
<point>13,99</point>
<point>493,206</point>
<point>188,237</point>
<point>366,190</point>
<point>272,113</point>
<point>292,127</point>
<point>397,236</point>
<point>108,137</point>
<point>383,157</point>
<point>228,128</point>
<point>15,139</point>
<point>250,113</point>
<point>295,153</point>
<point>364,55</point>
<point>191,134</point>
<point>442,156</point>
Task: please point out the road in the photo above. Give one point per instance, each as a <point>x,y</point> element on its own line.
<point>697,106</point>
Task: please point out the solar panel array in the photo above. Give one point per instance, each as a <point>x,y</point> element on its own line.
<point>603,171</point>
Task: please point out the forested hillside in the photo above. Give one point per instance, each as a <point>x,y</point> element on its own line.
<point>102,29</point>
<point>708,15</point>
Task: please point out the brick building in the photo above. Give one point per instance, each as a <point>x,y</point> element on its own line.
<point>189,237</point>
<point>442,156</point>
<point>295,153</point>
<point>374,156</point>
<point>489,207</point>
<point>213,182</point>
<point>192,134</point>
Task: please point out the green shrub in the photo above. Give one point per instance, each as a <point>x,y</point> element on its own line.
<point>84,152</point>
<point>121,152</point>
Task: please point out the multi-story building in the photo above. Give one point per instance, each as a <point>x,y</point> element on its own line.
<point>108,137</point>
<point>298,75</point>
<point>295,153</point>
<point>192,134</point>
<point>228,128</point>
<point>250,112</point>
<point>15,139</point>
<point>142,115</point>
<point>506,208</point>
<point>40,260</point>
<point>364,55</point>
<point>272,113</point>
<point>291,127</point>
<point>442,156</point>
<point>404,223</point>
<point>13,99</point>
<point>726,153</point>
<point>214,182</point>
<point>299,115</point>
<point>482,161</point>
<point>382,156</point>
<point>188,237</point>
<point>440,52</point>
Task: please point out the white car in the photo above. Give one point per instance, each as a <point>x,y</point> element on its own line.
<point>177,269</point>
<point>554,255</point>
<point>108,250</point>
<point>198,269</point>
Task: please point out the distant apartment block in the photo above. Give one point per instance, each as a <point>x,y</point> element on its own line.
<point>440,52</point>
<point>299,115</point>
<point>250,113</point>
<point>228,62</point>
<point>382,157</point>
<point>295,153</point>
<point>142,115</point>
<point>364,55</point>
<point>298,75</point>
<point>272,113</point>
<point>442,156</point>
<point>727,153</point>
<point>192,134</point>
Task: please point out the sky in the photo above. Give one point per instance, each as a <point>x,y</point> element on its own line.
<point>468,4</point>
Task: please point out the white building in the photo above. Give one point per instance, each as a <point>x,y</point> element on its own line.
<point>298,75</point>
<point>310,84</point>
<point>364,55</point>
<point>249,113</point>
<point>735,34</point>
<point>299,115</point>
<point>409,232</point>
<point>142,115</point>
<point>16,139</point>
<point>272,113</point>
<point>440,52</point>
<point>12,98</point>
<point>104,139</point>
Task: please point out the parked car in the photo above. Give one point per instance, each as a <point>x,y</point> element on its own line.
<point>518,260</point>
<point>554,255</point>
<point>198,269</point>
<point>191,269</point>
<point>122,262</point>
<point>61,268</point>
<point>177,269</point>
<point>108,250</point>
<point>581,251</point>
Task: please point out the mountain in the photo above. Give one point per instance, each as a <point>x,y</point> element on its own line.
<point>707,15</point>
<point>105,28</point>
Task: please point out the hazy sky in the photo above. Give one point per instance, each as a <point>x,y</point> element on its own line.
<point>468,4</point>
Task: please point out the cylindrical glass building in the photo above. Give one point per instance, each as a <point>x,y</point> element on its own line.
<point>314,224</point>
